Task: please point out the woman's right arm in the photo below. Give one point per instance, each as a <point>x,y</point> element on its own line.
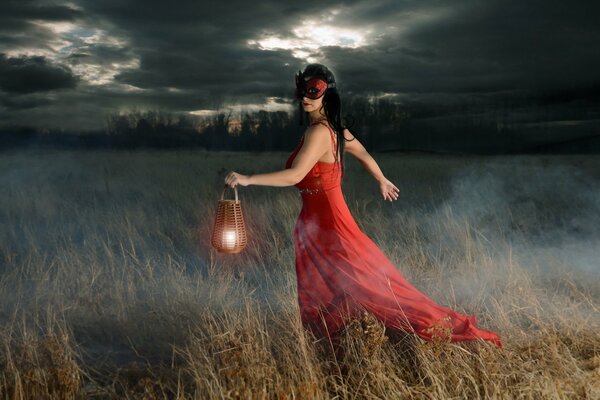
<point>388,190</point>
<point>354,147</point>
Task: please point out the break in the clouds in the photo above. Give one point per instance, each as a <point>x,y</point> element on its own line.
<point>88,58</point>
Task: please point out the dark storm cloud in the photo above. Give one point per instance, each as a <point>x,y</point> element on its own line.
<point>18,10</point>
<point>473,47</point>
<point>483,47</point>
<point>33,74</point>
<point>19,103</point>
<point>193,55</point>
<point>535,44</point>
<point>203,45</point>
<point>163,69</point>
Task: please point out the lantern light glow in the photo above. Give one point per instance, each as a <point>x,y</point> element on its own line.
<point>229,239</point>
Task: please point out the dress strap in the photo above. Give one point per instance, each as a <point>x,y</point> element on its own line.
<point>330,131</point>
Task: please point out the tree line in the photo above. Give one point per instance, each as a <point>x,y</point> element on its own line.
<point>223,130</point>
<point>380,123</point>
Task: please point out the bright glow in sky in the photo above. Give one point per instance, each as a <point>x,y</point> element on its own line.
<point>318,35</point>
<point>271,104</point>
<point>49,48</point>
<point>383,95</point>
<point>67,38</point>
<point>326,29</point>
<point>311,36</point>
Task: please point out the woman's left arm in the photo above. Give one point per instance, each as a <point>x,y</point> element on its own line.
<point>285,177</point>
<point>316,142</point>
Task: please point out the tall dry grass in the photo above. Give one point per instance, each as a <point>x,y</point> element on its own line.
<point>109,287</point>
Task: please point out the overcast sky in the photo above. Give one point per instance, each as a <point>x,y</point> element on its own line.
<point>70,63</point>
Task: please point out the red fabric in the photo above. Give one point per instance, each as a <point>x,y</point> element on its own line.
<point>341,271</point>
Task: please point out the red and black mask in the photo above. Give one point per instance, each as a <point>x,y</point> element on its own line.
<point>314,88</point>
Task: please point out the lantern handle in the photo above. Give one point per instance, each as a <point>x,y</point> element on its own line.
<point>225,188</point>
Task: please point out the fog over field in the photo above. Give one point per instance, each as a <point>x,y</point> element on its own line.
<point>106,259</point>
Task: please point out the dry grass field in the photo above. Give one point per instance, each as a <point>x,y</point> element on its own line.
<point>109,287</point>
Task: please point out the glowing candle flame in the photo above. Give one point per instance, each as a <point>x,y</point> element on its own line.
<point>229,239</point>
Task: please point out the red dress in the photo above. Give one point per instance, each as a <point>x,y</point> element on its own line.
<point>341,271</point>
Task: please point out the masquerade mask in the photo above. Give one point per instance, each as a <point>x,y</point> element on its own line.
<point>314,88</point>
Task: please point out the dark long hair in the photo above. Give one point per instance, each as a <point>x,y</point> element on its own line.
<point>332,106</point>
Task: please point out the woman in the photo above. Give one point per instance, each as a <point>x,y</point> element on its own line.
<point>341,272</point>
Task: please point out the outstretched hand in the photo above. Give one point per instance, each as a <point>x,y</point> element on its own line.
<point>233,178</point>
<point>388,190</point>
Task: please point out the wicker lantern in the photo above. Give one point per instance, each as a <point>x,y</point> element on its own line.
<point>229,232</point>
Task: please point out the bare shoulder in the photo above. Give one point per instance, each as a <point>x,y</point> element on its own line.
<point>317,128</point>
<point>319,131</point>
<point>316,138</point>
